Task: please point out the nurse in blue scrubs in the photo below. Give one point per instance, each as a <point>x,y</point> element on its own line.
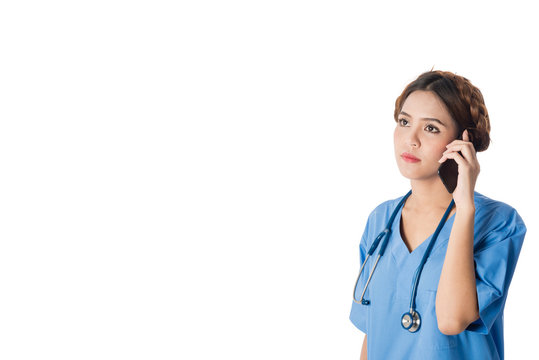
<point>463,284</point>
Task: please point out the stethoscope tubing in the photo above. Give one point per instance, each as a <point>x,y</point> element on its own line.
<point>413,318</point>
<point>385,234</point>
<point>427,254</point>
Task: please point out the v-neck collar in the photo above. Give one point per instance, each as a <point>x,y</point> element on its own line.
<point>399,249</point>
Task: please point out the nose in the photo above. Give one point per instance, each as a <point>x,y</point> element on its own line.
<point>412,139</point>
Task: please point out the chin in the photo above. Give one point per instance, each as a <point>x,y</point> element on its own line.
<point>417,174</point>
<point>407,173</point>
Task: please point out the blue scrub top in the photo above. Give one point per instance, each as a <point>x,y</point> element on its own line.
<point>498,235</point>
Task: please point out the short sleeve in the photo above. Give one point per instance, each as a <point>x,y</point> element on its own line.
<point>359,313</point>
<point>495,260</point>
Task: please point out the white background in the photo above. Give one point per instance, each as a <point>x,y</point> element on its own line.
<point>190,180</point>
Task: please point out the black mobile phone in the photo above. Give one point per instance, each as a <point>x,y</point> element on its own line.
<point>449,172</point>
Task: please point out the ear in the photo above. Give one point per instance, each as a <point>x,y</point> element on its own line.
<point>470,135</point>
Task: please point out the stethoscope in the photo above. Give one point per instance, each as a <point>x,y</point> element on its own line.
<point>410,320</point>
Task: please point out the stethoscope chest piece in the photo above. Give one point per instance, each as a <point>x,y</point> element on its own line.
<point>411,321</point>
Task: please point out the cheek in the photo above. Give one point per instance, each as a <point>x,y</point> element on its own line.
<point>437,151</point>
<point>396,135</point>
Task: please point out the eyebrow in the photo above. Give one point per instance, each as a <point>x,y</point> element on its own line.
<point>426,119</point>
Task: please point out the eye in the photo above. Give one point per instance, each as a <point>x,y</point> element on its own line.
<point>403,122</point>
<point>432,129</point>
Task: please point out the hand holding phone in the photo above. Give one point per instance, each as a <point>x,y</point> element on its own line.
<point>449,172</point>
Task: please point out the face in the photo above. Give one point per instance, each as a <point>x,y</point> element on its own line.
<point>423,130</point>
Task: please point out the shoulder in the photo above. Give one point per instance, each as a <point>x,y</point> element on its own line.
<point>495,219</point>
<point>385,209</point>
<point>494,211</point>
<point>379,216</point>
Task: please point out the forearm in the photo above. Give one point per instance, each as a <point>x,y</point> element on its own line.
<point>456,298</point>
<point>364,349</point>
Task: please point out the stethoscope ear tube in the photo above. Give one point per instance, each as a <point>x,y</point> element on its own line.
<point>411,320</point>
<point>357,280</point>
<point>363,301</point>
<point>385,234</point>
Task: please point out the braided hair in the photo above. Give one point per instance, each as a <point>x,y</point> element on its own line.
<point>463,101</point>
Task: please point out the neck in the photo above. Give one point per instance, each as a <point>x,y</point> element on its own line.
<point>428,195</point>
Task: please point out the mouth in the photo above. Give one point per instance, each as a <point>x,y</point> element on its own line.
<point>409,157</point>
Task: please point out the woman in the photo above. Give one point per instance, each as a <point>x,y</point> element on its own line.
<point>439,290</point>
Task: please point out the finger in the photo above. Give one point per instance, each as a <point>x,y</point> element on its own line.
<point>465,138</point>
<point>455,156</point>
<point>467,151</point>
<point>459,142</point>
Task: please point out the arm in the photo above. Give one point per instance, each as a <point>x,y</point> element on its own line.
<point>364,349</point>
<point>456,298</point>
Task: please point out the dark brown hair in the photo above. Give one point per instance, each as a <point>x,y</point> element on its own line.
<point>463,101</point>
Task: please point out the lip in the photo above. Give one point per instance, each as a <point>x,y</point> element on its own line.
<point>409,157</point>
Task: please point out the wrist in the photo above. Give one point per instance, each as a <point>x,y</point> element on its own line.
<point>465,208</point>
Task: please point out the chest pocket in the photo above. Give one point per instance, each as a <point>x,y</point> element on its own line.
<point>429,336</point>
